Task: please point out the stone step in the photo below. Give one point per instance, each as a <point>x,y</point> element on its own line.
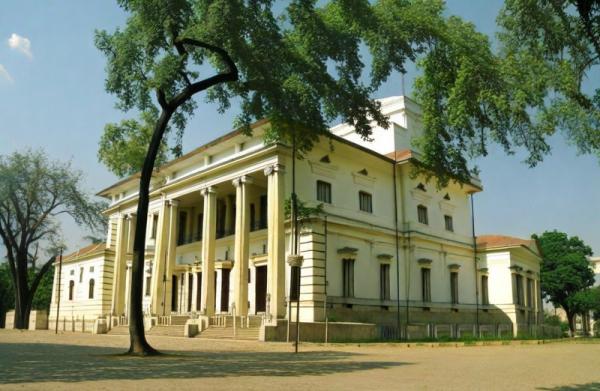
<point>119,330</point>
<point>166,331</point>
<point>227,333</point>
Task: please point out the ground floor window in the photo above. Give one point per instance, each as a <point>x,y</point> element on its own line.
<point>485,299</point>
<point>348,278</point>
<point>454,287</point>
<point>426,284</point>
<point>518,289</point>
<point>295,283</point>
<point>384,281</point>
<point>91,289</point>
<point>148,285</point>
<point>71,289</point>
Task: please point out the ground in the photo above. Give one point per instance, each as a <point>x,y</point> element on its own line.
<point>43,360</point>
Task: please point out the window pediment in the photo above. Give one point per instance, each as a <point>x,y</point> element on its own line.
<point>362,178</point>
<point>324,169</point>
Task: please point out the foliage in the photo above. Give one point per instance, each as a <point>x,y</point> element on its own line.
<point>43,295</point>
<point>586,300</point>
<point>34,191</point>
<point>554,320</point>
<point>7,292</point>
<point>518,97</point>
<point>565,270</point>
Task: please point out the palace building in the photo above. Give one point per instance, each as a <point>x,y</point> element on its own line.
<point>389,248</point>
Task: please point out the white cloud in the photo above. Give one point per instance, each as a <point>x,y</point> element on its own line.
<point>21,44</point>
<point>4,75</point>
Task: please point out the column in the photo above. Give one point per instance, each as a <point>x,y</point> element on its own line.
<point>132,220</point>
<point>119,268</point>
<point>171,249</point>
<point>194,289</point>
<point>127,290</point>
<point>241,248</point>
<point>208,251</point>
<point>160,262</point>
<point>275,241</point>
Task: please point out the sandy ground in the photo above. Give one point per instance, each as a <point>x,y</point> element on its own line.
<point>41,360</point>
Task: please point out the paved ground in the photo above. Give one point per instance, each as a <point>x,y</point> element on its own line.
<point>44,361</point>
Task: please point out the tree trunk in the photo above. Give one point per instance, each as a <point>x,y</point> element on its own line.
<point>137,336</point>
<point>571,321</point>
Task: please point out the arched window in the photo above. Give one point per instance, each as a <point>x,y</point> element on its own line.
<point>91,290</point>
<point>71,289</point>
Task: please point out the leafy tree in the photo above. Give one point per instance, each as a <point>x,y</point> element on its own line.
<point>43,295</point>
<point>300,68</point>
<point>34,191</point>
<point>565,272</point>
<point>529,89</point>
<point>7,292</point>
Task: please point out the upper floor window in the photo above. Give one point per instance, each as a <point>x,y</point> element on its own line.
<point>324,192</point>
<point>154,226</point>
<point>422,214</point>
<point>448,223</point>
<point>91,289</point>
<point>80,274</point>
<point>454,287</point>
<point>365,201</point>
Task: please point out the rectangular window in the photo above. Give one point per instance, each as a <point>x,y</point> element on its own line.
<point>422,214</point>
<point>518,289</point>
<point>295,283</point>
<point>384,281</point>
<point>324,192</point>
<point>148,284</point>
<point>449,224</point>
<point>348,278</point>
<point>365,201</point>
<point>426,284</point>
<point>181,229</point>
<point>154,226</point>
<point>530,292</point>
<point>485,298</point>
<point>454,287</point>
<point>199,223</point>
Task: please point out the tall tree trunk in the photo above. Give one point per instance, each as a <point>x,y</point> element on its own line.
<point>137,336</point>
<point>571,321</point>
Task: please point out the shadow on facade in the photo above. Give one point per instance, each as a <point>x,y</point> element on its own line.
<point>595,386</point>
<point>27,363</point>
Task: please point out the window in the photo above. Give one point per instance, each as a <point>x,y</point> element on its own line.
<point>154,226</point>
<point>91,289</point>
<point>384,281</point>
<point>449,224</point>
<point>295,283</point>
<point>324,192</point>
<point>80,274</point>
<point>530,292</point>
<point>91,269</point>
<point>454,287</point>
<point>365,201</point>
<point>71,289</point>
<point>485,298</point>
<point>148,284</point>
<point>199,223</point>
<point>422,214</point>
<point>348,278</point>
<point>181,229</point>
<point>518,289</point>
<point>426,284</point>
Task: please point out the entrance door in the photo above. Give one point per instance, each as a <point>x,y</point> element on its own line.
<point>174,294</point>
<point>261,289</point>
<point>225,289</point>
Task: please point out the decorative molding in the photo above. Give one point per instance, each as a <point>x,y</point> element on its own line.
<point>385,257</point>
<point>210,190</point>
<point>223,264</point>
<point>243,180</point>
<point>324,169</point>
<point>515,268</point>
<point>446,206</point>
<point>483,270</point>
<point>420,196</point>
<point>424,261</point>
<point>275,168</point>
<point>347,251</point>
<point>454,267</point>
<point>174,203</point>
<point>362,179</point>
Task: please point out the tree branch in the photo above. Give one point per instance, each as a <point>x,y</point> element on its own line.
<point>40,274</point>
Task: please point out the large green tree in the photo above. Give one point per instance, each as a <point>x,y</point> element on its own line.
<point>530,87</point>
<point>565,272</point>
<point>34,192</point>
<point>298,64</point>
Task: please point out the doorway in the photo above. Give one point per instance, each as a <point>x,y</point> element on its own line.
<point>225,289</point>
<point>174,293</point>
<point>261,289</point>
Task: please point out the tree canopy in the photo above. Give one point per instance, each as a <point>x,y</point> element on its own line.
<point>34,191</point>
<point>565,271</point>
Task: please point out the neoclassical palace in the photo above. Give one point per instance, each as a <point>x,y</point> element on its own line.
<point>389,249</point>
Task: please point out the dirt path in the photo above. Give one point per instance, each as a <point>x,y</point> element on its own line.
<point>42,360</point>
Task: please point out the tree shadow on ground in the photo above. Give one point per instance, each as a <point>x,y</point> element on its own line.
<point>30,363</point>
<point>595,386</point>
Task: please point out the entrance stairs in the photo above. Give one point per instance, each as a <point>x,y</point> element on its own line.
<point>222,327</point>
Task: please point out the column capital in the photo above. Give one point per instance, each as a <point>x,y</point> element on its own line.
<point>244,179</point>
<point>210,190</point>
<point>174,203</point>
<point>131,215</point>
<point>275,168</point>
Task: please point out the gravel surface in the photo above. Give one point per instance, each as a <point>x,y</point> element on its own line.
<point>41,360</point>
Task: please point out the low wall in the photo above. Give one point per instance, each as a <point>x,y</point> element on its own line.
<point>38,320</point>
<point>315,332</point>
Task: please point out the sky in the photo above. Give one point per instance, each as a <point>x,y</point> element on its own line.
<point>52,97</point>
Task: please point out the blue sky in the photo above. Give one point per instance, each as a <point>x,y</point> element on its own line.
<point>55,100</point>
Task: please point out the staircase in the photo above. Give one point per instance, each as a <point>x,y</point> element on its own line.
<point>119,330</point>
<point>221,327</point>
<point>166,331</point>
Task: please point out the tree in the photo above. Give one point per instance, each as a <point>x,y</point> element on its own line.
<point>530,88</point>
<point>34,191</point>
<point>7,293</point>
<point>565,272</point>
<point>300,68</point>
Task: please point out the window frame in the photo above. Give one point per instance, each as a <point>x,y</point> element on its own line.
<point>71,290</point>
<point>426,284</point>
<point>348,277</point>
<point>384,281</point>
<point>368,196</point>
<point>454,299</point>
<point>326,186</point>
<point>449,223</point>
<point>422,214</point>
<point>91,288</point>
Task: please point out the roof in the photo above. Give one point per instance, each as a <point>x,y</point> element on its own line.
<point>401,155</point>
<point>88,250</point>
<point>503,241</point>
